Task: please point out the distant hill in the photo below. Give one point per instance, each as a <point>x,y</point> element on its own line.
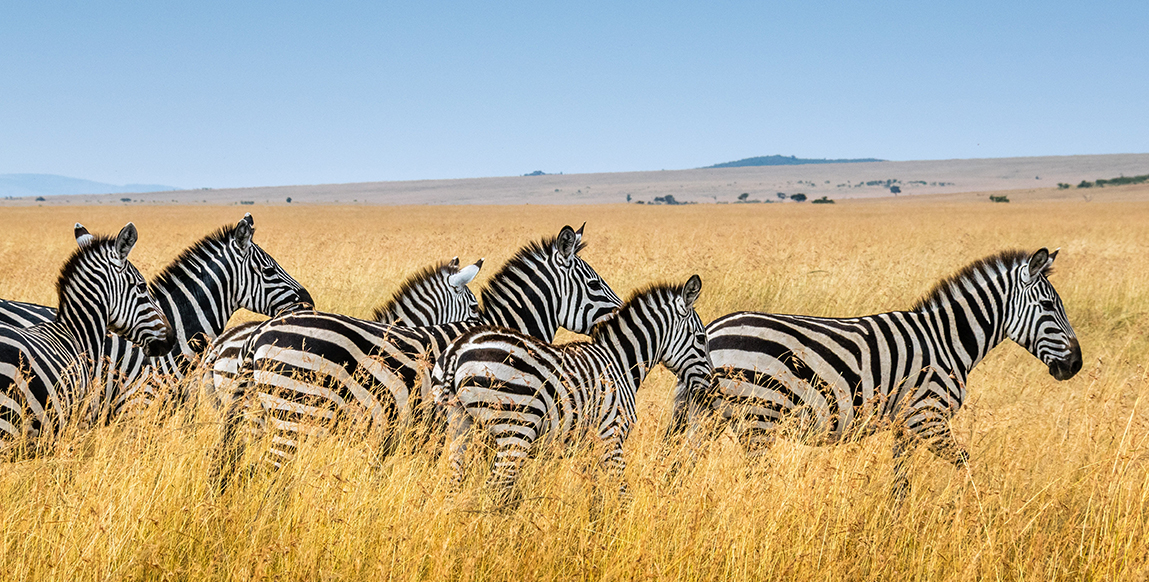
<point>786,161</point>
<point>18,185</point>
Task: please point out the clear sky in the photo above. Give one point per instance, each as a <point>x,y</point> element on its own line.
<point>219,94</point>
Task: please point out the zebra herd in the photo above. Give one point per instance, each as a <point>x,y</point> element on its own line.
<point>436,365</point>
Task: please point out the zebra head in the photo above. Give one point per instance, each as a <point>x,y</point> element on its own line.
<point>434,296</point>
<point>132,312</point>
<point>686,353</point>
<point>264,286</point>
<point>587,299</point>
<point>1035,318</point>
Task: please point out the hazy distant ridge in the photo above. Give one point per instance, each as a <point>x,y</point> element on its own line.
<point>52,185</point>
<point>786,161</point>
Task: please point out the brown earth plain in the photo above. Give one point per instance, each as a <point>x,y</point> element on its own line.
<point>1057,487</point>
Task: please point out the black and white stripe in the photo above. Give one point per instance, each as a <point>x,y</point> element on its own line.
<point>46,369</point>
<point>433,296</point>
<point>312,369</point>
<point>198,293</point>
<point>524,391</point>
<point>835,379</point>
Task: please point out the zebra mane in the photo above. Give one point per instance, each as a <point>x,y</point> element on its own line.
<point>992,265</point>
<point>414,282</point>
<point>75,259</point>
<point>638,297</point>
<point>530,252</point>
<point>221,236</point>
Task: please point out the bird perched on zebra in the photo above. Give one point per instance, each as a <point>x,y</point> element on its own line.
<point>312,369</point>
<point>433,296</point>
<point>524,391</point>
<point>198,292</point>
<point>844,378</point>
<point>46,369</point>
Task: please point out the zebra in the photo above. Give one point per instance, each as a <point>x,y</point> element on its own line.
<point>839,379</point>
<point>46,369</point>
<point>310,369</point>
<point>524,391</point>
<point>198,292</point>
<point>433,296</point>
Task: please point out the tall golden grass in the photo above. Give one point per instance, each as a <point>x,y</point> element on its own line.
<point>1057,487</point>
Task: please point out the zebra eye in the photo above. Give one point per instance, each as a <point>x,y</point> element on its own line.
<point>594,285</point>
<point>1046,305</point>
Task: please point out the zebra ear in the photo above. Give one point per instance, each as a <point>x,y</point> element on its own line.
<point>691,290</point>
<point>243,233</point>
<point>566,243</point>
<point>1038,262</point>
<point>578,233</point>
<point>125,241</point>
<point>465,275</point>
<point>454,262</point>
<point>83,237</point>
<point>249,220</point>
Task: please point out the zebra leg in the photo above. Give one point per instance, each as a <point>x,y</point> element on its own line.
<point>512,450</point>
<point>702,429</point>
<point>615,465</point>
<point>230,448</point>
<point>459,425</point>
<point>904,446</point>
<point>680,413</point>
<point>940,440</point>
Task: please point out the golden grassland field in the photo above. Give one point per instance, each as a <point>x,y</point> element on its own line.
<point>1057,486</point>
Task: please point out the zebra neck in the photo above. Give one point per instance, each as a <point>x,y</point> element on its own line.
<point>196,299</point>
<point>85,322</point>
<point>635,346</point>
<point>968,323</point>
<point>530,312</point>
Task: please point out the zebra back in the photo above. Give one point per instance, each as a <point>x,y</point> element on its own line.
<point>46,369</point>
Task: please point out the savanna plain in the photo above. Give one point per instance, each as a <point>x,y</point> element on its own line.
<point>1057,486</point>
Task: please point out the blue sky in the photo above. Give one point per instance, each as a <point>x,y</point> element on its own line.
<point>220,94</point>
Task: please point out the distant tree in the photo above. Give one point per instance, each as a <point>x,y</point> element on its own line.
<point>1085,184</point>
<point>39,199</point>
<point>799,197</point>
<point>289,199</point>
<point>125,199</point>
<point>896,190</point>
<point>781,195</point>
<point>822,200</point>
<point>999,198</point>
<point>743,196</point>
<point>627,196</point>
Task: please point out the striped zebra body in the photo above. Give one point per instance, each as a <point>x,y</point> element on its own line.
<point>21,314</point>
<point>311,369</point>
<point>524,391</point>
<point>198,293</point>
<point>46,369</point>
<point>834,379</point>
<point>436,295</point>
